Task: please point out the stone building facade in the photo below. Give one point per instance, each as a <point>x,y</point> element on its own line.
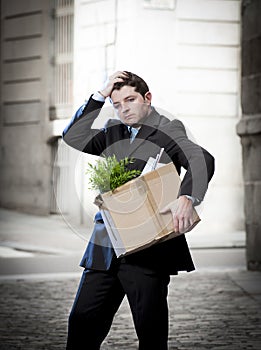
<point>25,73</point>
<point>35,60</point>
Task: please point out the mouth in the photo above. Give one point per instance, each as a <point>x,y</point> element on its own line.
<point>129,116</point>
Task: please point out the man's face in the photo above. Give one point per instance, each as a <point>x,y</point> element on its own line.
<point>130,105</point>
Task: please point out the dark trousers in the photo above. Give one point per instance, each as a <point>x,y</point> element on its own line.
<point>99,297</point>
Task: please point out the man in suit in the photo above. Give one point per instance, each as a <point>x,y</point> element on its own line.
<point>138,132</point>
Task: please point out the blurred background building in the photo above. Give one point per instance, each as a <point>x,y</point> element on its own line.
<point>192,53</point>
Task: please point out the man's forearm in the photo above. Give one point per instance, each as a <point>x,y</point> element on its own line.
<point>79,131</point>
<point>198,175</point>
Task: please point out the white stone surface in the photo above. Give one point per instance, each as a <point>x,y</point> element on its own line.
<point>208,81</point>
<point>214,57</point>
<point>209,33</point>
<point>206,104</point>
<point>214,10</point>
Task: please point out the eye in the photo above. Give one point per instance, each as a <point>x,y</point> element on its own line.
<point>116,105</point>
<point>131,99</point>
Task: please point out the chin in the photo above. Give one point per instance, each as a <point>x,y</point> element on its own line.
<point>130,122</point>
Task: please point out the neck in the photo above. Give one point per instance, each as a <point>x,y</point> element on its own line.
<point>135,126</point>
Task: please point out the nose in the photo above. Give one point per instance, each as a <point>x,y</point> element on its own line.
<point>125,107</point>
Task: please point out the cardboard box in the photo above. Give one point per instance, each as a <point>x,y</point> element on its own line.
<point>131,212</point>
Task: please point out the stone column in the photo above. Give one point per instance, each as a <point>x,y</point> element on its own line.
<point>249,128</point>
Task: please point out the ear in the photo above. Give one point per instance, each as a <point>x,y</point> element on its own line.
<point>148,97</point>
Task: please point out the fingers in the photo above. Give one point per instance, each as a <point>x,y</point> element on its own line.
<point>180,223</point>
<point>176,223</point>
<point>117,77</point>
<point>184,224</point>
<point>182,213</point>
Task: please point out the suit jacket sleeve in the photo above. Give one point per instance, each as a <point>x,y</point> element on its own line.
<point>198,162</point>
<point>79,133</point>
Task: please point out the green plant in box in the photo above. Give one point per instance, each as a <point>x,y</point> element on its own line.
<point>109,173</point>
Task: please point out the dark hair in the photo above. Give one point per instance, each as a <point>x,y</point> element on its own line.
<point>135,81</point>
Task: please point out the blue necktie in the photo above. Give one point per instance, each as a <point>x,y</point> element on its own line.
<point>133,132</point>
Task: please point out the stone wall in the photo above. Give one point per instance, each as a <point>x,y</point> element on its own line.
<point>25,91</point>
<point>249,128</point>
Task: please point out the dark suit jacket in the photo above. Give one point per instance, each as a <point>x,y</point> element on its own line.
<point>156,132</point>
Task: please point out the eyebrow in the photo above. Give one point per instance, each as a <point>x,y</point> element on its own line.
<point>114,103</point>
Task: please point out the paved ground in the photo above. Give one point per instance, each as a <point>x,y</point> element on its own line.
<point>216,307</point>
<point>208,310</point>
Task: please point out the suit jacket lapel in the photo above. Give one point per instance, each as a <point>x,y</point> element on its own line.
<point>148,128</point>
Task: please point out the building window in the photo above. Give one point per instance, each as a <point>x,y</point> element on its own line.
<point>63,59</point>
<point>159,4</point>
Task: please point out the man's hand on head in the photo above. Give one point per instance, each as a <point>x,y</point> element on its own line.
<point>117,77</point>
